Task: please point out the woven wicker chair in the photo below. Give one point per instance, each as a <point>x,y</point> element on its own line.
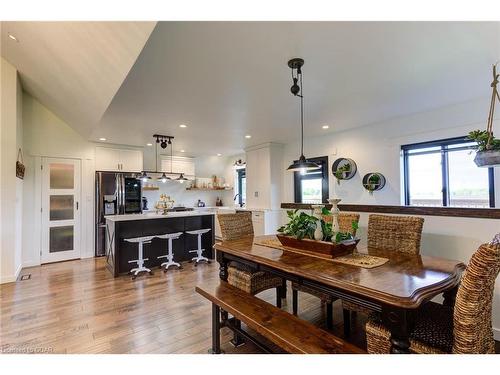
<point>393,233</point>
<point>233,227</point>
<point>345,225</point>
<point>466,328</point>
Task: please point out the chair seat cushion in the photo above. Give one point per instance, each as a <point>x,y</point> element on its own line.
<point>433,331</point>
<point>252,282</point>
<point>434,326</point>
<point>323,296</point>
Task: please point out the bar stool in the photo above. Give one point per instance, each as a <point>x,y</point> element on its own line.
<point>170,256</point>
<point>140,262</point>
<point>199,257</point>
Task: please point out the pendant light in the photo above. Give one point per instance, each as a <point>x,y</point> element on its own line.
<point>163,177</point>
<point>144,177</point>
<point>301,165</point>
<point>181,178</point>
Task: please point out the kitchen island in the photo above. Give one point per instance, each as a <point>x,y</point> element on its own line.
<point>120,227</point>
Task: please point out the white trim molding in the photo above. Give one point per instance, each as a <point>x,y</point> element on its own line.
<point>11,278</point>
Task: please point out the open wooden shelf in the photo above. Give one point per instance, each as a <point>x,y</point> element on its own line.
<point>209,189</point>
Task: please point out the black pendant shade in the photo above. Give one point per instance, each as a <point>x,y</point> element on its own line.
<point>163,178</point>
<point>301,165</point>
<point>181,178</point>
<point>144,177</point>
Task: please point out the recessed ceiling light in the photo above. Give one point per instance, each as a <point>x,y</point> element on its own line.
<point>149,144</point>
<point>219,154</point>
<point>325,127</point>
<point>102,139</point>
<point>183,151</point>
<point>248,136</point>
<point>183,126</point>
<point>13,37</point>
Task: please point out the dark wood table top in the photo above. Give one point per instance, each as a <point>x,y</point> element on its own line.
<point>404,281</point>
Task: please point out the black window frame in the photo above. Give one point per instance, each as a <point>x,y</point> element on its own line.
<point>322,161</point>
<point>242,173</point>
<point>443,144</point>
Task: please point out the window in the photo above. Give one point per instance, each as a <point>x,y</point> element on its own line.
<point>443,173</point>
<point>312,186</point>
<point>241,186</point>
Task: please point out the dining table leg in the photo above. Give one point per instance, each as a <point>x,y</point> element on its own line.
<point>450,296</point>
<point>400,323</point>
<point>222,266</point>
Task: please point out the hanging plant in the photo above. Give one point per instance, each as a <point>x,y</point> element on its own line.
<point>488,147</point>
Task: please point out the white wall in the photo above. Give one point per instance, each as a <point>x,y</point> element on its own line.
<point>376,147</point>
<point>46,135</point>
<point>11,200</point>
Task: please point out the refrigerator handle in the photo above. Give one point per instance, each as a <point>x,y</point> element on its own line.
<point>118,194</point>
<point>122,190</point>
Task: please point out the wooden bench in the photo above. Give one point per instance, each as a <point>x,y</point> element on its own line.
<point>279,327</point>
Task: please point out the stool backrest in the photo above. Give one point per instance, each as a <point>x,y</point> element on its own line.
<point>472,328</point>
<point>234,226</point>
<point>395,233</point>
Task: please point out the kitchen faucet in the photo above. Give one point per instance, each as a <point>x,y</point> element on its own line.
<point>234,199</point>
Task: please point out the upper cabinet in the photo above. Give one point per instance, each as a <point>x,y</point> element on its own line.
<point>119,160</point>
<point>179,164</point>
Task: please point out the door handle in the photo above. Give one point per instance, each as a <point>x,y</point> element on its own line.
<point>77,205</point>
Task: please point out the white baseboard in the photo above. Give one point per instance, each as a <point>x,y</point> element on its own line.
<point>11,278</point>
<point>31,263</point>
<point>496,333</point>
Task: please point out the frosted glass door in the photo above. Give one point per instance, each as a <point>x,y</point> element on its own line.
<point>60,209</point>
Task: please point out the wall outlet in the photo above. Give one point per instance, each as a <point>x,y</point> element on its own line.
<point>256,194</point>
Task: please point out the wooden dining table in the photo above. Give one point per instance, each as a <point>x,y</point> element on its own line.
<point>395,289</point>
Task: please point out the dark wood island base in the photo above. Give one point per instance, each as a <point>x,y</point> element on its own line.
<point>119,252</point>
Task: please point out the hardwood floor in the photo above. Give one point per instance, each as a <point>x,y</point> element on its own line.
<point>78,307</point>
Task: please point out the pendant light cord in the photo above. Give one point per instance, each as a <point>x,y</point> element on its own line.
<point>301,116</point>
<point>156,157</point>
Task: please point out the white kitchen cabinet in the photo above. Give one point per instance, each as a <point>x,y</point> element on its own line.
<point>118,160</point>
<point>131,160</point>
<point>266,221</point>
<point>264,174</point>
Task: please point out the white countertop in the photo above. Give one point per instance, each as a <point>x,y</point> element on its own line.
<point>153,215</point>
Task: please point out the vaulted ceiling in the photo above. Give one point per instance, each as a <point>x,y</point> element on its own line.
<point>225,80</point>
<point>74,68</point>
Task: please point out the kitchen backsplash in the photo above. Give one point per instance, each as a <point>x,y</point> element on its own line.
<point>183,197</point>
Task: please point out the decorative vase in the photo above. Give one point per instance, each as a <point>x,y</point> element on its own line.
<point>317,211</point>
<point>335,216</point>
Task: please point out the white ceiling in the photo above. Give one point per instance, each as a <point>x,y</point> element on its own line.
<point>228,79</point>
<point>74,68</point>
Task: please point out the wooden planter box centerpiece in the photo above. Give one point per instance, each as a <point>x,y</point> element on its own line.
<point>321,248</point>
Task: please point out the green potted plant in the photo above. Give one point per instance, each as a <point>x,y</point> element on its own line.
<point>299,233</point>
<point>487,149</point>
<point>343,172</point>
<point>373,182</point>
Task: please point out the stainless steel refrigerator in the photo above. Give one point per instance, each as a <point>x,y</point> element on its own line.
<point>116,194</point>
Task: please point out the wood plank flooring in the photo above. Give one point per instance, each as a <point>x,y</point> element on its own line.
<point>78,307</point>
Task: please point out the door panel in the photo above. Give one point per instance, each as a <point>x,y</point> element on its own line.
<point>60,209</point>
